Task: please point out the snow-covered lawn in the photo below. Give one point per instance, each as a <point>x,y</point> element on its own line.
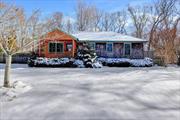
<point>106,93</point>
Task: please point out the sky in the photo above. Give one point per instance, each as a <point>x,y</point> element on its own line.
<point>67,7</point>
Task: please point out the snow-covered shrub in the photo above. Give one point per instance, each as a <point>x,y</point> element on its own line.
<point>62,62</point>
<point>146,62</point>
<point>51,62</point>
<point>115,62</point>
<point>125,62</point>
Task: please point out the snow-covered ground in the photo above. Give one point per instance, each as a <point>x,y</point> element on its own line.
<point>108,93</point>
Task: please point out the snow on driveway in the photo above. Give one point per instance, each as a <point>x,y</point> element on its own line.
<point>88,94</point>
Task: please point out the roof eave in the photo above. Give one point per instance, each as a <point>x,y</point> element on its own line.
<point>107,41</point>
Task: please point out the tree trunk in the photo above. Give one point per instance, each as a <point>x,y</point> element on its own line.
<point>7,71</point>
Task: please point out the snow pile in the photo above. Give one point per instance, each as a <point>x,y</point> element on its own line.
<point>97,65</point>
<point>79,63</point>
<point>125,62</point>
<point>8,94</point>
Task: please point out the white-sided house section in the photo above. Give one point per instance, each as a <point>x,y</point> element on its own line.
<point>113,45</point>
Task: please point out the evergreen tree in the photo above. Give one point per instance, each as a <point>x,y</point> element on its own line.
<point>87,55</point>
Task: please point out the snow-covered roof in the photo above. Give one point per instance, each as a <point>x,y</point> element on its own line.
<point>106,36</point>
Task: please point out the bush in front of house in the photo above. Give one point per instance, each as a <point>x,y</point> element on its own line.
<point>119,64</point>
<point>125,62</point>
<point>50,62</point>
<point>59,62</point>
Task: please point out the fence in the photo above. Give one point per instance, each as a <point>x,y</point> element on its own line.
<point>18,58</point>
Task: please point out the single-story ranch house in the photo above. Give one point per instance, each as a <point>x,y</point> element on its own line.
<point>58,44</point>
<point>111,44</point>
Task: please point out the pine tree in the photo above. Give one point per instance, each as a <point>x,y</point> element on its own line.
<point>87,55</point>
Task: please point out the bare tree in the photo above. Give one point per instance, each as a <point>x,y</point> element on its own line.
<point>166,42</point>
<point>57,19</point>
<point>139,17</point>
<point>97,18</point>
<point>36,29</point>
<point>107,22</point>
<point>68,26</point>
<point>80,14</point>
<point>14,31</point>
<point>54,21</point>
<point>164,31</point>
<point>119,21</point>
<point>159,12</point>
<point>88,17</point>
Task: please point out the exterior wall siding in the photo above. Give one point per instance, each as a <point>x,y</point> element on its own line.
<point>118,50</point>
<point>57,36</point>
<point>44,49</point>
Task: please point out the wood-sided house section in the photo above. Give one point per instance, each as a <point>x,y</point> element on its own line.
<point>112,45</point>
<point>57,44</point>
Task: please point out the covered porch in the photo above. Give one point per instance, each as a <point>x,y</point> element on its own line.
<point>118,49</point>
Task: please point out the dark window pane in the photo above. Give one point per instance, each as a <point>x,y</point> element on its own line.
<point>127,49</point>
<point>109,47</point>
<point>52,47</point>
<point>59,47</point>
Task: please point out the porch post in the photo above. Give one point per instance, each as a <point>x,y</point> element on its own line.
<point>72,48</point>
<point>39,50</point>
